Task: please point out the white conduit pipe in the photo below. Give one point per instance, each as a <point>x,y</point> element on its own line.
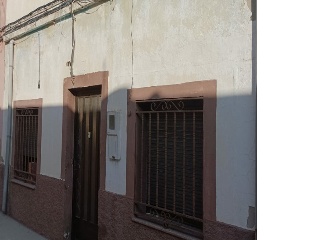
<point>9,130</point>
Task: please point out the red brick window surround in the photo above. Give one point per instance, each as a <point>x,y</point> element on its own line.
<point>27,140</point>
<point>171,155</point>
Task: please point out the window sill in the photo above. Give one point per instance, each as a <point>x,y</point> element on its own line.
<point>27,185</point>
<point>160,228</point>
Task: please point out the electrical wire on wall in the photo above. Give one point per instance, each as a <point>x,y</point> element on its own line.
<point>73,40</point>
<point>44,11</point>
<point>25,38</point>
<point>41,12</point>
<point>73,43</point>
<point>131,33</point>
<point>39,60</point>
<point>86,2</point>
<point>35,15</point>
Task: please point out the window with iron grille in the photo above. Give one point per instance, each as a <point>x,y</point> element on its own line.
<point>169,174</point>
<point>26,139</point>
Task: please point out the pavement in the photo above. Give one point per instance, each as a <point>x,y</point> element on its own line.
<point>10,229</point>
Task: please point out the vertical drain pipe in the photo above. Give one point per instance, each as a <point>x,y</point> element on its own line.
<point>9,130</point>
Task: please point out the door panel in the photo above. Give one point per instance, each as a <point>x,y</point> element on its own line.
<point>86,167</point>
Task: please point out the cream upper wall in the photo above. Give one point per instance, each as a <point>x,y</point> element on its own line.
<point>184,41</point>
<point>54,45</point>
<point>175,42</point>
<point>18,8</point>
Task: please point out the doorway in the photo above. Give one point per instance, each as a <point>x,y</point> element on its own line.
<point>90,84</point>
<point>86,164</point>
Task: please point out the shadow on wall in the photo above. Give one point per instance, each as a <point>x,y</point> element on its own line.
<point>158,124</point>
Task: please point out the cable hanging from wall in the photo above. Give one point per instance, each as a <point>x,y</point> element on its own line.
<point>39,60</point>
<point>73,43</point>
<point>35,15</point>
<point>131,34</point>
<point>42,12</point>
<point>46,10</point>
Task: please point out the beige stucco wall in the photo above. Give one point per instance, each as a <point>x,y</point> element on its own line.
<point>54,45</point>
<point>17,8</point>
<point>172,42</point>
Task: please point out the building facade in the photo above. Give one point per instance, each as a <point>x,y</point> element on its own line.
<point>129,119</point>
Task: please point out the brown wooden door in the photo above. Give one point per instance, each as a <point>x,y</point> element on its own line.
<point>86,167</point>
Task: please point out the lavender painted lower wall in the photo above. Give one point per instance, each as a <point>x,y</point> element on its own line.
<point>222,231</point>
<point>115,222</point>
<point>41,209</point>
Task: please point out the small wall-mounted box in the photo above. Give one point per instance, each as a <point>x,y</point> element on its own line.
<point>113,135</point>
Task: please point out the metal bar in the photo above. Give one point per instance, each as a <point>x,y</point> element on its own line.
<point>174,143</point>
<point>157,187</point>
<point>180,111</point>
<point>25,145</point>
<point>20,113</point>
<point>22,136</point>
<point>142,158</point>
<point>31,136</point>
<point>194,164</point>
<point>169,211</point>
<point>165,161</point>
<point>16,152</point>
<point>20,171</point>
<point>37,126</point>
<point>170,99</point>
<point>32,140</point>
<point>29,142</point>
<point>149,159</point>
<point>36,138</point>
<point>18,148</point>
<point>184,160</point>
<point>24,179</point>
<point>36,142</point>
<point>174,160</point>
<point>23,142</point>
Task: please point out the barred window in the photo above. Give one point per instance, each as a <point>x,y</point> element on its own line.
<point>169,174</point>
<point>26,139</point>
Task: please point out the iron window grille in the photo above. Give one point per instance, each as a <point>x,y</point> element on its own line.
<point>169,162</point>
<point>26,139</point>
